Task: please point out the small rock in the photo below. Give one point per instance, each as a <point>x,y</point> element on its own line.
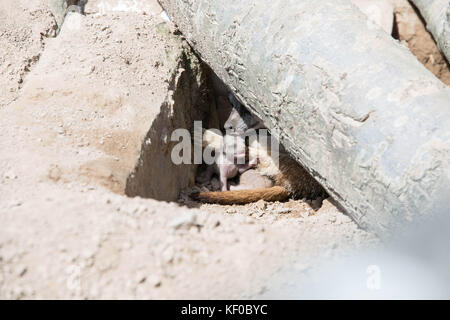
<point>15,203</point>
<point>306,213</point>
<point>10,175</point>
<point>261,204</point>
<point>187,220</point>
<point>17,292</point>
<point>250,220</point>
<point>154,281</point>
<point>168,255</point>
<point>316,203</point>
<point>230,210</point>
<point>283,210</point>
<point>87,253</point>
<point>21,270</point>
<point>54,173</point>
<point>141,277</point>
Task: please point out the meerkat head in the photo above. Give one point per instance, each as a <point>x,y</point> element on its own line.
<point>240,119</point>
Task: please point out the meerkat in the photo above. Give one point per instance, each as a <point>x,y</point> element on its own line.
<point>232,153</point>
<point>289,178</point>
<point>252,179</point>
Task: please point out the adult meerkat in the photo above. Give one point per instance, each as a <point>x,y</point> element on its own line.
<point>289,178</point>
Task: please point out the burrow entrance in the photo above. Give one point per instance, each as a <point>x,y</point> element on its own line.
<point>195,94</point>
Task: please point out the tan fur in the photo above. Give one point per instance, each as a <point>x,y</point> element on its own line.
<point>243,196</point>
<point>252,179</point>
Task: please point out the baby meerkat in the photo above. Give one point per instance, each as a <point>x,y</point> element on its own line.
<point>231,159</point>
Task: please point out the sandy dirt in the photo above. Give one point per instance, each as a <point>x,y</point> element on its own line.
<point>410,29</point>
<point>74,111</point>
<point>21,44</point>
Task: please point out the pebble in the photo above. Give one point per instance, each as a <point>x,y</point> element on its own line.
<point>317,203</point>
<point>187,220</point>
<point>283,210</point>
<point>168,255</point>
<point>88,253</point>
<point>10,175</point>
<point>54,173</point>
<point>21,270</point>
<point>141,276</point>
<point>260,204</point>
<point>230,210</point>
<point>15,203</point>
<point>154,281</point>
